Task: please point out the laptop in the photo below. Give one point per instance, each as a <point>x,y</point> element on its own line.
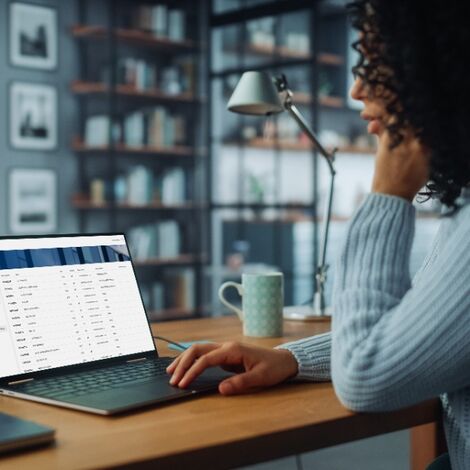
<point>74,330</point>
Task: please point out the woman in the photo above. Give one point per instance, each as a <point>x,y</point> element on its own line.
<point>393,342</point>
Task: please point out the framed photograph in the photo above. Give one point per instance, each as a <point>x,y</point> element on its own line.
<point>33,36</point>
<point>33,200</point>
<point>33,116</point>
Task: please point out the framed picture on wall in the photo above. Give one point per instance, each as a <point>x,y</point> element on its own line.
<point>33,36</point>
<point>32,200</point>
<point>33,116</point>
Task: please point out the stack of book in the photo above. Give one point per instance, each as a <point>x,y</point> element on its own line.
<point>154,127</point>
<point>150,127</point>
<point>97,131</point>
<point>141,75</point>
<point>153,241</point>
<point>140,187</point>
<point>137,73</point>
<point>161,21</point>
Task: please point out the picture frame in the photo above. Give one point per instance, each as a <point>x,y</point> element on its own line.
<point>32,200</point>
<point>33,116</point>
<point>33,36</point>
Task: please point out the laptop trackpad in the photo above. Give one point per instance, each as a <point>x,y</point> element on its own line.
<point>210,379</point>
<point>129,396</point>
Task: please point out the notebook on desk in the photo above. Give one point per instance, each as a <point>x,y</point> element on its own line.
<point>73,327</point>
<point>16,433</point>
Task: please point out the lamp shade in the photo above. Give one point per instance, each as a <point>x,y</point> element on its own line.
<point>255,94</point>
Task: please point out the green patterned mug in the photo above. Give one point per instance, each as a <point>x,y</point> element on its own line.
<point>262,303</point>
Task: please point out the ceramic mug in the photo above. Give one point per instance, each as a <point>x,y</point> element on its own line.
<point>262,303</point>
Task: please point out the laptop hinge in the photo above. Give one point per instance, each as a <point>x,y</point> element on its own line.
<point>20,381</point>
<point>137,360</point>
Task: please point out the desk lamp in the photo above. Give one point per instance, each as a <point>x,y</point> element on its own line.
<point>259,94</point>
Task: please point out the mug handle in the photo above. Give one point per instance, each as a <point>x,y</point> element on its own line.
<point>239,288</point>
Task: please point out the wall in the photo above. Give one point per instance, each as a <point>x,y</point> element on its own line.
<point>62,158</point>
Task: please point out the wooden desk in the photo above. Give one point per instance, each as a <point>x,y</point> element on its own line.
<point>210,431</point>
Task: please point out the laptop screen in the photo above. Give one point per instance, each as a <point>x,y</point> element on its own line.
<point>68,300</point>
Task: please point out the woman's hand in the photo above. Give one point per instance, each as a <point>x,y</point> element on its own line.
<point>255,367</point>
<point>403,170</point>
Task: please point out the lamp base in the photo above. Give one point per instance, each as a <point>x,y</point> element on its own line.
<point>305,313</point>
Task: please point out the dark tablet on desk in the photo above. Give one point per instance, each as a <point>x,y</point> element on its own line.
<point>16,433</point>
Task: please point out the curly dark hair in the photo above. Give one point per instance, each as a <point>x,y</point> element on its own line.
<point>416,55</point>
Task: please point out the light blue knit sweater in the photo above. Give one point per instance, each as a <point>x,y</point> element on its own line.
<point>393,342</point>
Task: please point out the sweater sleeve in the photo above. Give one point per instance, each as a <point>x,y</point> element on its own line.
<point>313,356</point>
<point>392,344</point>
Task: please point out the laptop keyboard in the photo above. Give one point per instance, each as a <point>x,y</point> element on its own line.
<point>83,383</point>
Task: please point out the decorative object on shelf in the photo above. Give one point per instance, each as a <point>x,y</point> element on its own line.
<point>33,119</point>
<point>256,188</point>
<point>239,255</point>
<point>261,33</point>
<point>97,192</point>
<point>256,191</point>
<point>33,36</point>
<point>331,138</point>
<point>259,94</point>
<point>299,42</point>
<point>32,200</point>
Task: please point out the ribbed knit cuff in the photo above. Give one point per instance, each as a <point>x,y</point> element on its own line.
<point>313,356</point>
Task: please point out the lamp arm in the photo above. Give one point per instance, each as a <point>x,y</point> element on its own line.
<point>295,113</point>
<point>320,275</point>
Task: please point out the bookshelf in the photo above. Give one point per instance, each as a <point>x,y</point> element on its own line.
<point>297,146</point>
<point>134,37</point>
<point>174,151</point>
<point>157,206</point>
<point>268,185</point>
<point>96,88</point>
<point>139,142</point>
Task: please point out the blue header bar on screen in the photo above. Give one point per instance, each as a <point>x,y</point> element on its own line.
<point>35,258</point>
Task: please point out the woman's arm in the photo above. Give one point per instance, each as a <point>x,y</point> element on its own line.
<point>393,345</point>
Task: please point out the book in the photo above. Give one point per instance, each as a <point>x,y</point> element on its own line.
<point>153,241</point>
<point>97,130</point>
<point>16,433</point>
<point>140,185</point>
<point>176,25</point>
<point>173,189</point>
<point>134,129</point>
<point>156,126</point>
<point>159,20</point>
<point>157,296</point>
<point>180,288</point>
